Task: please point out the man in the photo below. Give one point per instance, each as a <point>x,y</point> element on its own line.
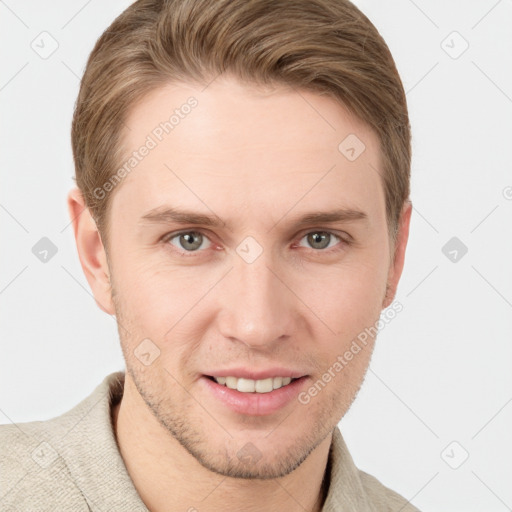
<point>242,208</point>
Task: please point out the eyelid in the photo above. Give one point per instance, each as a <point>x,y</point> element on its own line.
<point>343,235</point>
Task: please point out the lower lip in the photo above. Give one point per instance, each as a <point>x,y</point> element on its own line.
<point>254,404</point>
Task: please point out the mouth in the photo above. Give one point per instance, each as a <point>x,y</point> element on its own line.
<point>253,397</point>
<point>251,385</point>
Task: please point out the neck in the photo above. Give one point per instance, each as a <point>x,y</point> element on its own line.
<point>168,478</point>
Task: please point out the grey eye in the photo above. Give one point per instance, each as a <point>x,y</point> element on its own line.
<point>189,241</point>
<point>321,239</point>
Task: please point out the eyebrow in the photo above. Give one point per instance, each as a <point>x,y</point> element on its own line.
<point>169,215</point>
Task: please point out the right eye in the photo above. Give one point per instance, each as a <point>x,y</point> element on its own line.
<point>187,241</point>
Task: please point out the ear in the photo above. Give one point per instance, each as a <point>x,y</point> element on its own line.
<point>91,252</point>
<point>397,262</point>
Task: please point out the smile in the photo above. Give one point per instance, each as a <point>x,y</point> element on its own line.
<point>253,397</point>
<point>253,386</point>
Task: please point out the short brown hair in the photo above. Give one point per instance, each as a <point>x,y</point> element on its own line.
<point>325,46</point>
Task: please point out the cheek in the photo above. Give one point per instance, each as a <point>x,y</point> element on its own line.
<point>347,298</point>
<point>161,302</point>
<point>141,276</point>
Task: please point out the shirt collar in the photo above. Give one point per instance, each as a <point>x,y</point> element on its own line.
<point>346,491</point>
<point>91,452</point>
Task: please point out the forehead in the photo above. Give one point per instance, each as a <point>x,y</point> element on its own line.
<point>256,148</point>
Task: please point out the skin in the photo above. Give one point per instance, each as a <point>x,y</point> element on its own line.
<point>257,158</point>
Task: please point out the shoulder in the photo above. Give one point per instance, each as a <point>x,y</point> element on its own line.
<point>382,498</point>
<point>52,464</point>
<point>33,475</point>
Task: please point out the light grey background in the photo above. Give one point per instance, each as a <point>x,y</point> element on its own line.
<point>441,371</point>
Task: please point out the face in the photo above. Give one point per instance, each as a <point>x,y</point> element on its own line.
<point>217,271</point>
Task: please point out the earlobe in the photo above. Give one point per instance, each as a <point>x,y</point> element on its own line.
<point>91,251</point>
<point>397,263</point>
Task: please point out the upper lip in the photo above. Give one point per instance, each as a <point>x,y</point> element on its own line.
<point>253,374</point>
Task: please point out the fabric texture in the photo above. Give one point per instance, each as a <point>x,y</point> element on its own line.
<point>72,463</point>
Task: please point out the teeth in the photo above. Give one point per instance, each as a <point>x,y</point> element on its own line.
<point>264,385</point>
<point>254,386</point>
<point>246,385</point>
<point>231,382</point>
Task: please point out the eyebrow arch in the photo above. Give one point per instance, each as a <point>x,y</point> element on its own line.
<point>168,215</point>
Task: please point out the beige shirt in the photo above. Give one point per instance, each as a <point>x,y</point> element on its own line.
<point>72,463</point>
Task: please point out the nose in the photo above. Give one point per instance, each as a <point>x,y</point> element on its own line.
<point>257,308</point>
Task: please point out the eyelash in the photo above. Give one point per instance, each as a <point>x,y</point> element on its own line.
<point>343,242</point>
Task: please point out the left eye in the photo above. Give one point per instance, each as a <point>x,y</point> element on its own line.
<point>321,239</point>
